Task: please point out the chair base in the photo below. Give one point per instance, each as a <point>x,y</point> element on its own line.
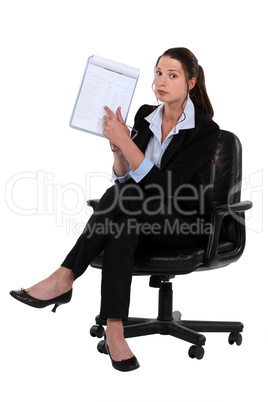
<point>170,323</point>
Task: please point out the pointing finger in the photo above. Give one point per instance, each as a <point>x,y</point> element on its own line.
<point>109,112</point>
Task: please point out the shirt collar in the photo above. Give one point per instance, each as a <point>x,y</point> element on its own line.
<point>187,119</point>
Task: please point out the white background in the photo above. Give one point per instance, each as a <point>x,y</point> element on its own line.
<point>49,170</point>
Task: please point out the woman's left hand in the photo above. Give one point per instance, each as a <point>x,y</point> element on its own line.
<point>114,127</point>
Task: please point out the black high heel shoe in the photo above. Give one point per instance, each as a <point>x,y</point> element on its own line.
<point>24,297</point>
<point>123,365</point>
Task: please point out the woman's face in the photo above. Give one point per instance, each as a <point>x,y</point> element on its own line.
<point>170,81</point>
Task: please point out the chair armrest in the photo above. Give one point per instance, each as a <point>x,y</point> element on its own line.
<point>228,209</point>
<point>93,203</point>
<point>212,258</point>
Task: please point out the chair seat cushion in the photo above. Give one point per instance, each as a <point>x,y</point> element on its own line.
<point>169,262</point>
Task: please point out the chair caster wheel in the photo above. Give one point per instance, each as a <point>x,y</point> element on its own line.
<point>235,337</point>
<point>97,330</point>
<point>102,347</point>
<point>196,352</point>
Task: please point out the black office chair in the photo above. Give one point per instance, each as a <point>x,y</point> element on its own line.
<point>223,248</point>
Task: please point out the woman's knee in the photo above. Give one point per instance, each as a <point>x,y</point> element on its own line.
<point>122,198</point>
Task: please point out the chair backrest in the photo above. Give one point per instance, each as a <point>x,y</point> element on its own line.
<point>226,179</point>
<point>227,170</point>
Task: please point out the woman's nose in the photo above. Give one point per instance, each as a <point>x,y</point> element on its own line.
<point>162,80</point>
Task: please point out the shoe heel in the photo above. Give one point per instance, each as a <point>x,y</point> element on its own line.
<point>55,308</point>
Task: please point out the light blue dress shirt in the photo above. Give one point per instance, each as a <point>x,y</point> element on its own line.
<point>155,149</point>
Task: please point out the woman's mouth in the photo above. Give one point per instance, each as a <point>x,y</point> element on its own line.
<point>160,92</point>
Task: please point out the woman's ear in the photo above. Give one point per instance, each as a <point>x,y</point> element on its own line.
<point>192,83</point>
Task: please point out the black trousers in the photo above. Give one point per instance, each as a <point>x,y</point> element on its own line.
<point>126,218</point>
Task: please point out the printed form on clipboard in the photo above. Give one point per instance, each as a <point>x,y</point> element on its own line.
<point>105,83</point>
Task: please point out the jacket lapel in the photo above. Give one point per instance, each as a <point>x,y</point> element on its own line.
<point>178,142</point>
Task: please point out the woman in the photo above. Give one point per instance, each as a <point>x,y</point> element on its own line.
<point>161,177</point>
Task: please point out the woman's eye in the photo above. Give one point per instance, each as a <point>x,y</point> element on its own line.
<point>158,73</point>
<point>173,76</point>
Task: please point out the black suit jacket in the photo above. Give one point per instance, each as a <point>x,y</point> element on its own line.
<point>186,163</point>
